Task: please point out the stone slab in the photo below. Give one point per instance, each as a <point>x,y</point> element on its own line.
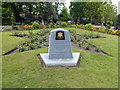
<point>60,47</point>
<point>60,62</point>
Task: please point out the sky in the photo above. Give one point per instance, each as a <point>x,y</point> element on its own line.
<point>114,2</point>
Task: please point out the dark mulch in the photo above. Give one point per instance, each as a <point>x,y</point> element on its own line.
<point>92,49</point>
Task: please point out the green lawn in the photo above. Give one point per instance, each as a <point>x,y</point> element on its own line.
<point>95,71</point>
<point>10,42</point>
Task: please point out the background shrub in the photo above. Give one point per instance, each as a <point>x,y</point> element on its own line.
<point>88,26</point>
<point>64,24</point>
<point>35,25</point>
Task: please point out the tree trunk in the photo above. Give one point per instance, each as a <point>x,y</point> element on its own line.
<point>42,22</point>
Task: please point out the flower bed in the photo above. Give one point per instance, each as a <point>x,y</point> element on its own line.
<point>99,29</point>
<point>40,39</point>
<point>89,27</point>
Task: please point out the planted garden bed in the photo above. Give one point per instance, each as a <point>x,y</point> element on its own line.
<point>40,39</point>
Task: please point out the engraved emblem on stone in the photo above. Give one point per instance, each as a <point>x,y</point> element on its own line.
<point>60,35</point>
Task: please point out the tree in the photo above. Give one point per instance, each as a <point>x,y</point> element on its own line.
<point>9,9</point>
<point>118,19</point>
<point>64,15</point>
<point>44,11</point>
<point>108,12</point>
<point>6,14</point>
<point>92,11</point>
<point>80,10</point>
<point>77,11</point>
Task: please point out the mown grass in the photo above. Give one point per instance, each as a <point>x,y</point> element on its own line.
<point>95,71</point>
<point>10,42</point>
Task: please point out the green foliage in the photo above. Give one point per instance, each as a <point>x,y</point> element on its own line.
<point>32,40</point>
<point>79,44</point>
<point>64,24</point>
<point>44,38</point>
<point>35,25</point>
<point>51,25</point>
<point>64,16</point>
<point>108,12</point>
<point>21,48</point>
<point>43,32</point>
<point>77,10</point>
<point>94,12</point>
<point>118,20</point>
<point>14,27</point>
<point>87,47</point>
<point>31,46</point>
<point>6,13</point>
<point>97,49</point>
<point>108,30</point>
<point>75,41</point>
<point>88,26</point>
<point>30,32</point>
<point>46,44</point>
<point>36,38</point>
<point>47,10</point>
<point>72,38</point>
<point>19,34</point>
<point>90,35</point>
<point>14,67</point>
<point>8,29</point>
<point>40,40</point>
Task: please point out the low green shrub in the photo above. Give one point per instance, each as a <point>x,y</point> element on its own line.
<point>46,44</point>
<point>27,43</point>
<point>75,41</point>
<point>72,38</point>
<point>51,25</point>
<point>97,49</point>
<point>21,48</point>
<point>39,46</point>
<point>108,30</point>
<point>78,38</point>
<point>97,36</point>
<point>35,25</point>
<point>16,33</point>
<point>88,26</point>
<point>87,47</point>
<point>8,29</point>
<point>44,38</point>
<point>20,35</point>
<point>79,44</point>
<point>31,46</point>
<point>35,38</point>
<point>30,34</point>
<point>63,24</point>
<point>40,40</point>
<point>32,40</point>
<point>14,27</point>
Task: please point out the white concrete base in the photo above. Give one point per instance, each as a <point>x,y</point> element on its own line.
<point>60,62</point>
